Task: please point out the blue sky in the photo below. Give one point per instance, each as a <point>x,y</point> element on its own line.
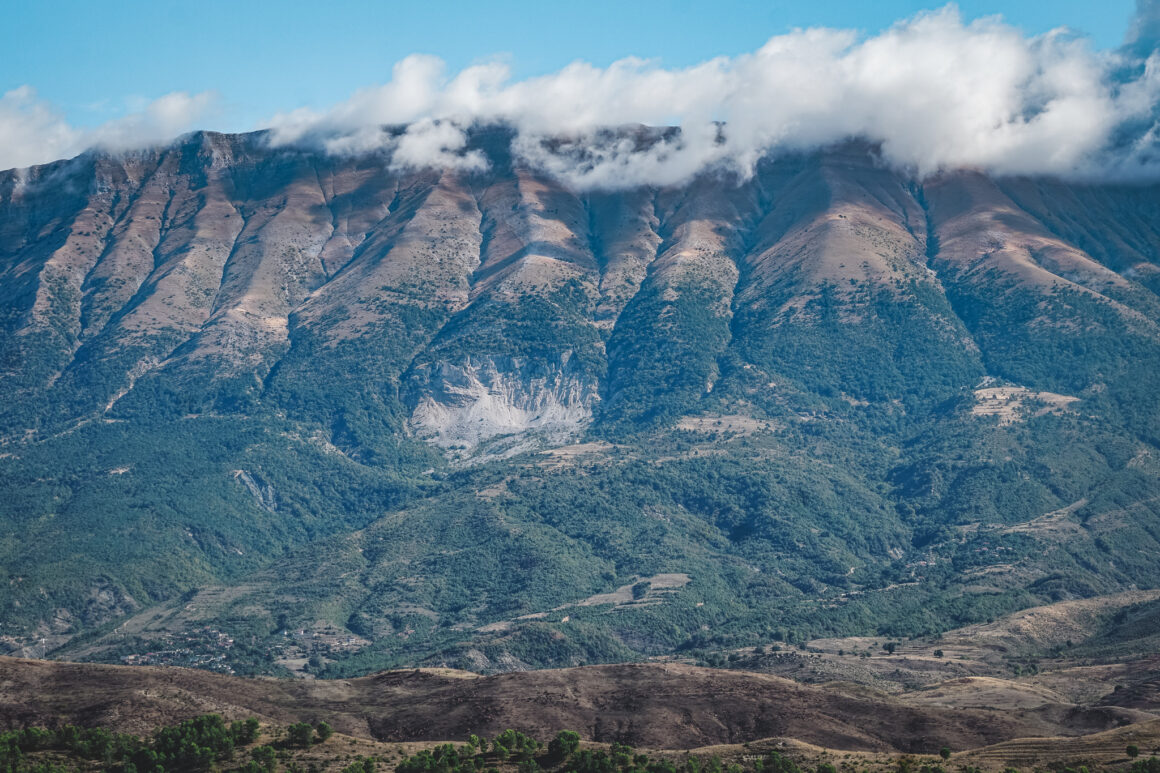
<point>95,61</point>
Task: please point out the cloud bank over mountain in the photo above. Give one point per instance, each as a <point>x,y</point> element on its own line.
<point>933,92</point>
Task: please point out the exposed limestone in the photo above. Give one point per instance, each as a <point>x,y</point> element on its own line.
<point>263,492</point>
<point>501,406</point>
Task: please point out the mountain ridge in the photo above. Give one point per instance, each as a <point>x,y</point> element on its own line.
<point>655,705</point>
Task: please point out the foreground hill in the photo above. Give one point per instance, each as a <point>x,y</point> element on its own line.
<point>655,706</point>
<point>271,410</point>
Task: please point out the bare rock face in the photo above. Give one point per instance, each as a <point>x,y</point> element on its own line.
<point>499,407</point>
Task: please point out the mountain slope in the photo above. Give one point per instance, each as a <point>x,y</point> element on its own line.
<point>426,415</point>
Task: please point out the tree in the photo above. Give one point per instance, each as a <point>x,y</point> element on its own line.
<point>1150,765</point>
<point>775,763</point>
<point>889,647</point>
<point>1133,750</point>
<point>361,765</point>
<point>564,744</point>
<point>945,753</point>
<point>245,732</point>
<point>515,743</point>
<point>300,734</point>
<point>264,756</point>
<point>324,731</point>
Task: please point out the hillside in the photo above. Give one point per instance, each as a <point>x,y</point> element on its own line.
<point>655,706</point>
<point>276,411</point>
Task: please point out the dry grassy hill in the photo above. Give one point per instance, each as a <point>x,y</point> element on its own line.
<point>647,705</point>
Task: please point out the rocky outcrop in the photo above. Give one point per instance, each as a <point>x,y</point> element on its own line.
<point>500,406</point>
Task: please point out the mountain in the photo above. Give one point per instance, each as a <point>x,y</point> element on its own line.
<point>274,410</point>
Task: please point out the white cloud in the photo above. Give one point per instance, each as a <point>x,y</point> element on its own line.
<point>33,132</point>
<point>427,142</point>
<point>159,121</point>
<point>933,92</point>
